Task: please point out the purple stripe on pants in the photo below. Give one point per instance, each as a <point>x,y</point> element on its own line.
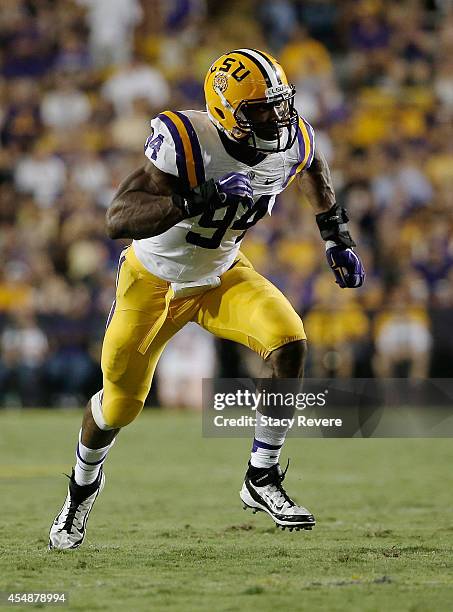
<point>112,309</point>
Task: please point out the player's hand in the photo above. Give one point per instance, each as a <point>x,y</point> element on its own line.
<point>235,188</point>
<point>232,189</point>
<point>346,265</point>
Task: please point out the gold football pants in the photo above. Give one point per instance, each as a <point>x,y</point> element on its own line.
<point>245,308</point>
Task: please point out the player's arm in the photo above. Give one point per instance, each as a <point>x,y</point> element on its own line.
<point>149,202</point>
<point>143,205</point>
<point>317,184</point>
<point>157,196</point>
<point>332,220</point>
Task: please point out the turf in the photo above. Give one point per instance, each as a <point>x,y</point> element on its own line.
<point>169,534</point>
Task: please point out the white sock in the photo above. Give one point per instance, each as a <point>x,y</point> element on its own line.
<point>267,443</point>
<point>89,462</point>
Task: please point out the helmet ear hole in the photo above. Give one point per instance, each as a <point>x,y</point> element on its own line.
<point>219,112</point>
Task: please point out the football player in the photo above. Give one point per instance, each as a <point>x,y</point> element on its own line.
<point>209,176</point>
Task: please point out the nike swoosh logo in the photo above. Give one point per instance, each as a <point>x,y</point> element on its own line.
<point>269,182</point>
<point>270,502</point>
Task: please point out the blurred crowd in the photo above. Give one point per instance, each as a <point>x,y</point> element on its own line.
<point>79,82</point>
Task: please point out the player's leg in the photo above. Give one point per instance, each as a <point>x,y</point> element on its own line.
<point>135,338</point>
<point>288,361</point>
<point>285,362</point>
<point>262,488</point>
<point>248,309</point>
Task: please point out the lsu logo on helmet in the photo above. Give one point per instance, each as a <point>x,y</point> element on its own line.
<point>220,82</point>
<point>248,97</point>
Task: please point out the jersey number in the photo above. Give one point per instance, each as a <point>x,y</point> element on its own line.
<point>249,218</point>
<point>154,144</point>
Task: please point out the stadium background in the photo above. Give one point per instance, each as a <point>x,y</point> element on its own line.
<point>79,82</point>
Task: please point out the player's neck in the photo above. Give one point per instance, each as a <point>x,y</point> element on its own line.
<point>243,153</point>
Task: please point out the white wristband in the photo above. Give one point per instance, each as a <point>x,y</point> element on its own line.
<point>330,244</point>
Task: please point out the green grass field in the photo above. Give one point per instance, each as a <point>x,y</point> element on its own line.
<point>169,533</point>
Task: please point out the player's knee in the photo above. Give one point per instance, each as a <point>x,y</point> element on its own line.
<point>115,412</point>
<point>119,412</point>
<point>288,360</point>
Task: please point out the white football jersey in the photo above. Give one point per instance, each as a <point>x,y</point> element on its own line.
<point>187,145</point>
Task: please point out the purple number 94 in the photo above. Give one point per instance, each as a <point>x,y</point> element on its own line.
<point>154,144</point>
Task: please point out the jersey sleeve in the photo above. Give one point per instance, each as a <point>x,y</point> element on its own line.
<point>305,145</point>
<point>160,147</point>
<point>308,137</point>
<point>175,149</point>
